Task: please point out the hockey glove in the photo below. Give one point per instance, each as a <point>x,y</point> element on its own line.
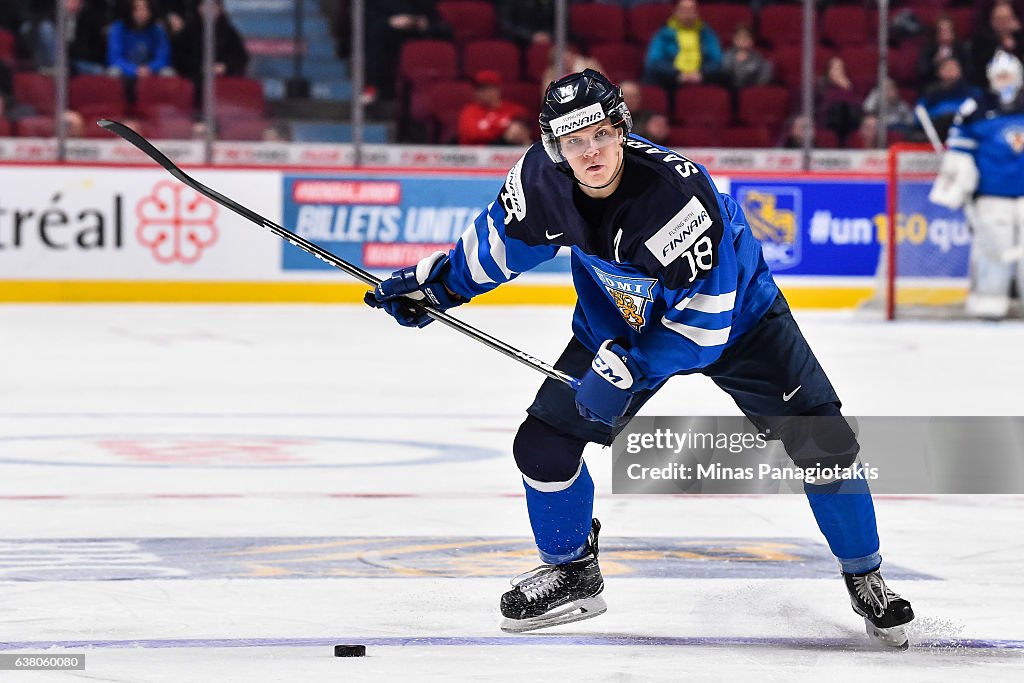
<point>421,282</point>
<point>607,388</point>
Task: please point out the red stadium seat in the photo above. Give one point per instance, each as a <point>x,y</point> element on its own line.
<point>846,25</point>
<point>502,56</point>
<point>242,129</point>
<point>35,127</point>
<point>764,105</point>
<point>35,90</point>
<point>725,17</point>
<point>97,94</point>
<point>538,59</point>
<point>780,25</point>
<point>693,136</point>
<point>621,61</point>
<point>525,94</point>
<point>593,24</point>
<point>702,105</point>
<point>903,64</point>
<point>963,19</point>
<point>756,136</point>
<point>6,46</point>
<point>469,19</point>
<point>5,128</point>
<point>788,61</point>
<point>238,96</point>
<point>645,20</point>
<point>825,139</point>
<point>861,65</point>
<point>441,104</point>
<point>421,61</point>
<point>655,98</point>
<point>169,128</point>
<point>164,94</point>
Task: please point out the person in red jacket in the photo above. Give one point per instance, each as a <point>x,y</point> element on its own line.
<point>491,120</point>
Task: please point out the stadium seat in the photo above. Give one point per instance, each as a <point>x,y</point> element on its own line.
<point>6,46</point>
<point>779,25</point>
<point>441,104</point>
<point>903,64</point>
<point>725,17</point>
<point>5,128</point>
<point>861,65</point>
<point>502,56</point>
<point>621,61</point>
<point>169,128</point>
<point>764,105</point>
<point>242,129</point>
<point>594,24</point>
<point>645,19</point>
<point>35,127</point>
<point>692,136</point>
<point>655,98</point>
<point>702,105</point>
<point>164,94</point>
<point>35,90</point>
<point>742,136</point>
<point>538,59</point>
<point>469,19</point>
<point>788,61</point>
<point>238,96</point>
<point>963,19</point>
<point>525,94</point>
<point>96,95</point>
<point>421,61</point>
<point>825,139</point>
<point>846,25</point>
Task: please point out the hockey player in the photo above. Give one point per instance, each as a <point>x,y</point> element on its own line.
<point>670,280</point>
<point>983,171</point>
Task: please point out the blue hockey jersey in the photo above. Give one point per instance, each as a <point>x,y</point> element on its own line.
<point>672,269</point>
<point>995,138</point>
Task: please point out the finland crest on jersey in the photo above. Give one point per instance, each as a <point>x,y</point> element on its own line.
<point>631,296</point>
<point>1014,137</point>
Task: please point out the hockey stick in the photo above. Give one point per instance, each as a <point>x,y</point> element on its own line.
<point>327,257</point>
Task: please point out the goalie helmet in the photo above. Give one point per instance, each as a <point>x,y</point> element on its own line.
<point>577,101</point>
<point>1005,77</point>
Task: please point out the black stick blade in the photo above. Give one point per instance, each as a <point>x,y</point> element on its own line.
<point>129,135</point>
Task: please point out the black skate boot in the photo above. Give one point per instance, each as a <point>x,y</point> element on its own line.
<point>884,612</point>
<point>556,593</point>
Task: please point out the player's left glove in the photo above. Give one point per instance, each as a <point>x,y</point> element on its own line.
<point>421,282</point>
<point>608,387</point>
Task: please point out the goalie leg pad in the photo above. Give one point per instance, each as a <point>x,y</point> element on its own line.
<point>994,237</point>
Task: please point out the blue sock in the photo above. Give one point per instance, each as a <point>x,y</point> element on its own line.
<point>561,518</point>
<point>846,516</point>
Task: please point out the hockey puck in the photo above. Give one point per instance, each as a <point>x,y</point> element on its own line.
<point>349,650</point>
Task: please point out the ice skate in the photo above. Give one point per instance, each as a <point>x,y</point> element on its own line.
<point>885,613</point>
<point>556,594</point>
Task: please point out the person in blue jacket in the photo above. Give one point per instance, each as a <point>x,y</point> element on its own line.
<point>685,50</point>
<point>670,281</point>
<point>137,45</point>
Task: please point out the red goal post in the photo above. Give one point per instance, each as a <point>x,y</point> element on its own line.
<point>923,268</point>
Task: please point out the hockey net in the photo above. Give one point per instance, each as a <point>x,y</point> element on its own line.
<point>922,270</point>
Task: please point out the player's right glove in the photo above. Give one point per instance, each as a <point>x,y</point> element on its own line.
<point>608,387</point>
<point>421,282</point>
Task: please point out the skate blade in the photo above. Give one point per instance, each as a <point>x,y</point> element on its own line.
<point>894,638</point>
<point>575,611</point>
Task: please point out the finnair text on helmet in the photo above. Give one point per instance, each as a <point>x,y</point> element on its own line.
<point>576,119</point>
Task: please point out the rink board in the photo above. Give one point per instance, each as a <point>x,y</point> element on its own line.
<point>79,233</point>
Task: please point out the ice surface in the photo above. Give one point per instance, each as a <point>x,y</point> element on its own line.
<point>220,493</point>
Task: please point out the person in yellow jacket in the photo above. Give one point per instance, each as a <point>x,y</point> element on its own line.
<point>685,50</point>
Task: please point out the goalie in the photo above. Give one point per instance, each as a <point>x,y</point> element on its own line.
<point>983,172</point>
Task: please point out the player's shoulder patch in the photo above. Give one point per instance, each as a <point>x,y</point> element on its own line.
<point>513,195</point>
<point>680,232</point>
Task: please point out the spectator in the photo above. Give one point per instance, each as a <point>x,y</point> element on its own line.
<point>1002,33</point>
<point>942,44</point>
<point>230,55</point>
<point>389,23</point>
<point>742,65</point>
<point>943,98</point>
<point>633,95</point>
<point>799,126</point>
<point>137,46</point>
<point>37,32</point>
<point>838,101</point>
<point>646,123</point>
<point>898,115</point>
<point>866,136</point>
<point>654,127</point>
<point>87,35</point>
<point>572,62</point>
<point>491,120</point>
<point>526,21</point>
<point>685,50</point>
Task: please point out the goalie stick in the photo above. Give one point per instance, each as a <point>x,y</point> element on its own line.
<point>327,257</point>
